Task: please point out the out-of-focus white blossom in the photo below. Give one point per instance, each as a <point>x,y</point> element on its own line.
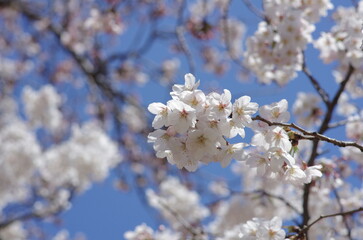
<point>168,70</point>
<point>306,109</point>
<point>343,44</point>
<point>274,53</point>
<point>354,128</point>
<point>19,158</point>
<point>134,118</point>
<point>144,232</point>
<point>141,232</point>
<point>14,231</point>
<point>178,205</point>
<point>104,21</point>
<point>86,157</point>
<point>42,107</point>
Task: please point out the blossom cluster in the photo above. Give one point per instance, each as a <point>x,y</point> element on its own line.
<point>194,127</point>
<point>343,44</point>
<point>145,232</point>
<point>42,107</point>
<point>274,53</point>
<point>47,173</point>
<point>258,229</point>
<point>178,205</point>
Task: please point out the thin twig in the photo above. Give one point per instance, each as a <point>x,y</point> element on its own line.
<point>323,94</point>
<point>305,229</point>
<point>341,209</point>
<point>314,151</point>
<point>344,122</point>
<point>314,135</point>
<point>255,10</point>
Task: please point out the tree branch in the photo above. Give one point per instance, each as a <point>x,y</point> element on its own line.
<point>341,208</point>
<point>305,229</point>
<point>314,151</point>
<point>313,135</point>
<point>323,94</point>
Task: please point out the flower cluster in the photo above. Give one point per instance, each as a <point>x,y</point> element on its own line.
<point>178,205</point>
<point>307,110</point>
<point>257,229</point>
<point>343,44</point>
<point>145,232</point>
<point>86,157</point>
<point>42,107</point>
<point>274,53</point>
<point>194,127</point>
<point>19,154</point>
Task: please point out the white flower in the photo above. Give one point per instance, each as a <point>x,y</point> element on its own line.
<point>201,143</point>
<point>221,106</point>
<point>277,137</point>
<point>161,112</point>
<point>195,99</point>
<point>313,172</point>
<point>181,116</point>
<point>259,161</point>
<point>231,151</point>
<point>161,140</point>
<point>243,108</point>
<point>271,230</point>
<point>276,112</point>
<point>278,157</point>
<point>230,129</point>
<point>294,175</point>
<point>180,155</point>
<point>250,229</point>
<point>189,85</point>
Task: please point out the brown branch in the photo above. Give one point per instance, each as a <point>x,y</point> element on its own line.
<point>314,151</point>
<point>334,102</point>
<point>341,209</point>
<point>262,193</point>
<point>96,75</point>
<point>323,94</point>
<point>344,122</point>
<point>282,199</point>
<point>305,229</point>
<point>311,135</point>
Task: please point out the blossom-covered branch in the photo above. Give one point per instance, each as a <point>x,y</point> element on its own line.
<point>313,135</point>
